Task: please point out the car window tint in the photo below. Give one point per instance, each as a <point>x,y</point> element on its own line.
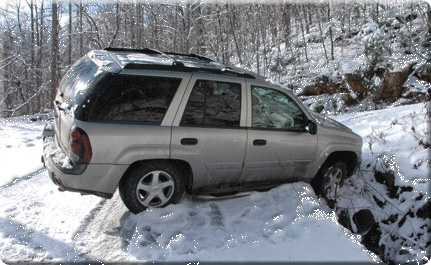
<point>213,103</point>
<point>140,99</point>
<point>76,80</point>
<point>274,109</point>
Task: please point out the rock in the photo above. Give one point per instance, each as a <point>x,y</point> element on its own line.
<point>311,90</point>
<point>392,84</point>
<point>323,85</point>
<point>423,72</point>
<point>425,211</point>
<point>363,220</point>
<point>348,100</point>
<point>355,82</point>
<point>408,18</point>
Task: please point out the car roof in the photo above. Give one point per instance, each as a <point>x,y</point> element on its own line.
<point>150,59</point>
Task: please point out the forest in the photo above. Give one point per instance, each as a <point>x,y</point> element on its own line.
<point>282,40</point>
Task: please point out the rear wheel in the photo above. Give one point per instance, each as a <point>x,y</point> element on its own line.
<point>329,180</point>
<point>151,185</point>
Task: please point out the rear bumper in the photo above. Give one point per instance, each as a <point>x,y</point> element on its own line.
<point>95,179</point>
<point>57,181</point>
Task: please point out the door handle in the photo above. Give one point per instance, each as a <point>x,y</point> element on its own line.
<point>259,142</point>
<point>189,141</point>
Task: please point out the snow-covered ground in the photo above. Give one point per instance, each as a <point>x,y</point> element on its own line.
<point>287,223</point>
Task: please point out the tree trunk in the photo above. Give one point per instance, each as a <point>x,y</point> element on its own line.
<point>303,35</point>
<point>69,37</point>
<point>286,22</point>
<point>54,50</point>
<point>81,28</point>
<point>330,32</point>
<point>321,36</point>
<point>307,25</point>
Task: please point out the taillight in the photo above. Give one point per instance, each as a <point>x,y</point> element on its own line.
<point>79,146</point>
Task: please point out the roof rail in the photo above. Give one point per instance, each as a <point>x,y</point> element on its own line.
<point>145,50</point>
<point>179,66</point>
<point>193,55</point>
<point>179,62</point>
<point>153,51</point>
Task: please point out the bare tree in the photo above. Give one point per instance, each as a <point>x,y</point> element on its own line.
<point>54,49</point>
<point>321,35</point>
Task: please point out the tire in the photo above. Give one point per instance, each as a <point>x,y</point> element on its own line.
<point>151,185</point>
<point>328,180</point>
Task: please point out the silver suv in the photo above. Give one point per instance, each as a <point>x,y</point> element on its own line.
<point>158,124</point>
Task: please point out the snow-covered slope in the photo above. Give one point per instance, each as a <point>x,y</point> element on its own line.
<point>394,179</point>
<point>39,223</point>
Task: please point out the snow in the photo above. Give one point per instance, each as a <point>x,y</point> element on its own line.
<point>280,225</point>
<point>39,223</point>
<point>394,140</point>
<point>21,141</point>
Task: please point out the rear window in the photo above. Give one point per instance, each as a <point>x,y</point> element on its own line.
<point>133,99</point>
<point>76,80</point>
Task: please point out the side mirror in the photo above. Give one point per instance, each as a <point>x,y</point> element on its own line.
<point>311,127</point>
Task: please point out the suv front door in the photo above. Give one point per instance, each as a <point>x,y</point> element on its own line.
<point>209,131</point>
<point>279,149</point>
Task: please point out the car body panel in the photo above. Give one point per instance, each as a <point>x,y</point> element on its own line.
<point>218,156</point>
<point>283,156</point>
<point>98,179</point>
<point>123,144</point>
<point>221,158</point>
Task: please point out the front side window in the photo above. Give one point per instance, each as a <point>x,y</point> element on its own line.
<point>134,99</point>
<point>274,109</point>
<point>213,104</point>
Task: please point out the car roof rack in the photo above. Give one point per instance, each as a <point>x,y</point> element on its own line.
<point>144,50</point>
<point>152,59</point>
<point>153,51</point>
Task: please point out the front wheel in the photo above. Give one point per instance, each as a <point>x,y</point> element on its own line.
<point>151,185</point>
<point>328,181</point>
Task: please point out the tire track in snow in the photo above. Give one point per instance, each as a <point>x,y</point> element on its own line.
<point>111,224</point>
<point>37,221</point>
<point>35,244</point>
<point>87,220</point>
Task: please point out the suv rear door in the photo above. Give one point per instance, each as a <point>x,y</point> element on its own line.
<point>279,149</point>
<point>71,93</point>
<point>209,130</point>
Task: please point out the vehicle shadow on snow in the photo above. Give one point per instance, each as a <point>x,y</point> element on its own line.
<point>26,177</point>
<point>39,247</point>
<point>125,231</point>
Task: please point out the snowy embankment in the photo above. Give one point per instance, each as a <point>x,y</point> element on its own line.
<point>394,180</point>
<point>39,223</point>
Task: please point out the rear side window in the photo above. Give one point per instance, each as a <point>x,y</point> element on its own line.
<point>76,80</point>
<point>134,99</point>
<point>213,104</point>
